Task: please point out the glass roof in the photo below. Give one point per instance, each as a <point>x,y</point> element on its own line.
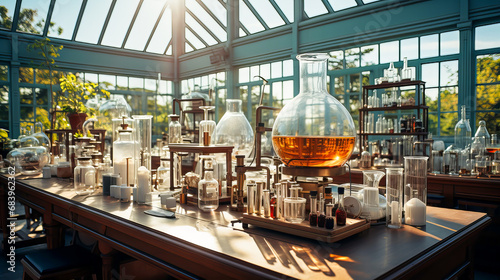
<point>146,25</point>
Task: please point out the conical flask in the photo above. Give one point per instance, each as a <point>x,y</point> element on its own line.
<point>314,129</point>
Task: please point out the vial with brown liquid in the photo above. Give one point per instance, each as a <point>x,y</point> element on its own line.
<point>313,215</point>
<point>340,214</point>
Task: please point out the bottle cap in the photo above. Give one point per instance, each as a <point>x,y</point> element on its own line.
<point>328,190</point>
<point>313,193</point>
<point>341,190</point>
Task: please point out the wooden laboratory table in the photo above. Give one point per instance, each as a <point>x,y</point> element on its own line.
<point>206,245</point>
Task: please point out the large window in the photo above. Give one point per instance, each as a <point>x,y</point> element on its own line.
<point>4,97</point>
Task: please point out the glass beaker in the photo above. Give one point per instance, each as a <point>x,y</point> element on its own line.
<point>482,165</point>
<point>495,163</point>
<point>143,131</point>
<point>84,180</point>
<point>314,129</point>
<point>234,129</point>
<point>437,158</point>
<point>295,206</point>
<point>207,127</point>
<point>163,174</point>
<point>394,186</point>
<point>415,184</point>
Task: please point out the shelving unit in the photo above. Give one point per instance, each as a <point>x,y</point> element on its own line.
<point>420,108</point>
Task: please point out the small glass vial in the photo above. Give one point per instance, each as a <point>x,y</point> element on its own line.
<point>266,203</point>
<point>340,214</point>
<point>174,130</point>
<point>329,221</point>
<point>272,206</point>
<point>321,212</point>
<point>313,215</point>
<point>208,188</point>
<point>163,175</point>
<point>84,182</point>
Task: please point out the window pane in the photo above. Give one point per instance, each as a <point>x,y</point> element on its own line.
<point>389,52</point>
<point>487,36</point>
<point>254,71</point>
<point>338,5</point>
<point>339,85</point>
<point>287,68</point>
<point>4,72</point>
<point>488,69</point>
<point>429,46</point>
<point>355,83</point>
<point>267,12</point>
<point>32,16</point>
<point>4,103</point>
<point>287,7</point>
<point>276,70</point>
<point>336,60</point>
<point>288,91</point>
<point>449,73</point>
<point>430,74</point>
<point>193,39</point>
<point>144,23</point>
<point>314,8</point>
<point>26,95</point>
<point>27,113</point>
<point>449,99</point>
<point>433,123</point>
<point>136,84</point>
<point>93,20</point>
<point>448,122</point>
<point>217,9</point>
<point>352,58</point>
<point>163,33</point>
<point>107,81</point>
<point>64,17</point>
<point>26,75</point>
<point>221,79</point>
<point>119,22</point>
<point>450,43</point>
<point>369,55</point>
<point>200,30</point>
<point>42,96</point>
<point>248,19</point>
<point>409,48</point>
<point>488,97</point>
<point>91,78</point>
<point>265,71</point>
<point>205,17</point>
<point>431,99</point>
<point>121,82</point>
<point>6,20</point>
<point>244,73</point>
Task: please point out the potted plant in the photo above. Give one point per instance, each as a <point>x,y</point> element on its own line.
<point>75,94</point>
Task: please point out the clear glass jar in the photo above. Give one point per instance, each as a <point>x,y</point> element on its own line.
<point>483,133</point>
<point>295,206</point>
<point>208,187</point>
<point>163,174</point>
<point>314,129</point>
<point>174,129</point>
<point>234,129</point>
<point>124,155</point>
<point>84,178</point>
<point>394,208</point>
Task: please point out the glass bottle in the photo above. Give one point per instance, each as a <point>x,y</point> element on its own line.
<point>406,71</point>
<point>234,129</point>
<point>477,147</point>
<point>163,174</point>
<point>340,214</point>
<point>313,215</point>
<point>174,130</point>
<point>208,187</point>
<point>84,178</point>
<point>273,204</point>
<point>321,211</point>
<point>314,129</point>
<point>462,131</point>
<point>483,133</point>
<point>329,223</point>
<point>207,127</point>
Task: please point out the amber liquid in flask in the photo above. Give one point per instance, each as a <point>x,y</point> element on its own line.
<point>314,151</point>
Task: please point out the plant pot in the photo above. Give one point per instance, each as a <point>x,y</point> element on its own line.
<point>76,120</point>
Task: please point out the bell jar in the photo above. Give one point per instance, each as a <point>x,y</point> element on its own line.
<point>314,129</point>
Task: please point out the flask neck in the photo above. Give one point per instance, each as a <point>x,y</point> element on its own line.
<point>312,76</point>
<point>209,175</point>
<point>233,105</point>
<point>464,113</point>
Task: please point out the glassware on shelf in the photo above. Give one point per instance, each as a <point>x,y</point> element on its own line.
<point>207,127</point>
<point>174,129</point>
<point>464,167</point>
<point>407,73</point>
<point>482,133</point>
<point>294,206</point>
<point>482,165</point>
<point>234,129</point>
<point>208,187</point>
<point>125,152</point>
<point>493,146</point>
<point>394,186</point>
<point>29,160</point>
<point>314,129</point>
<point>366,159</point>
<point>477,147</point>
<point>415,178</point>
<point>42,138</point>
<point>450,161</point>
<point>462,131</point>
<point>84,176</point>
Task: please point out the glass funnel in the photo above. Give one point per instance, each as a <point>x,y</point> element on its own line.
<point>207,127</point>
<point>234,129</point>
<point>314,129</point>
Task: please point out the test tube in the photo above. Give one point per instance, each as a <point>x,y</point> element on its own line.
<point>267,203</point>
<point>250,198</point>
<point>258,200</point>
<point>278,189</point>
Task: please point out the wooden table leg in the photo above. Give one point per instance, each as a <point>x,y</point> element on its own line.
<point>53,231</point>
<point>107,257</point>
